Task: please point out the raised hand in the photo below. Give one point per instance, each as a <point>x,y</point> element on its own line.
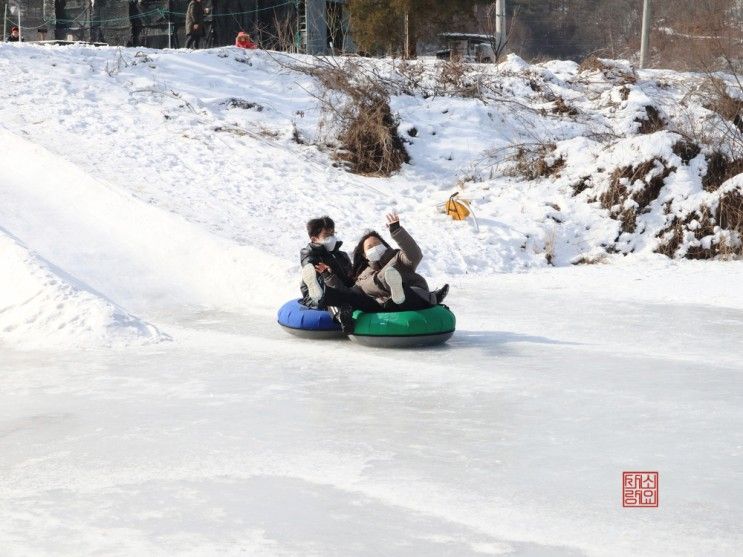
<point>392,218</point>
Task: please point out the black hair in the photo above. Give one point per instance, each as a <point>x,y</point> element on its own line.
<point>315,226</point>
<point>360,262</point>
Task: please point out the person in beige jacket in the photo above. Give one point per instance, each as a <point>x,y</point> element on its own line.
<point>389,275</point>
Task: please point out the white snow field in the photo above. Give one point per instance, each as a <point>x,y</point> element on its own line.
<point>150,219</point>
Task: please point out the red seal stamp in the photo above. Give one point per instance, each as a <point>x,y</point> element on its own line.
<point>639,489</point>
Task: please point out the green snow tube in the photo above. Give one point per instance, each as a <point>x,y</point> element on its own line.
<point>403,329</point>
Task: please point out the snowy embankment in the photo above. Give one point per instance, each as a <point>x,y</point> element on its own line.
<point>38,299</point>
<point>163,178</point>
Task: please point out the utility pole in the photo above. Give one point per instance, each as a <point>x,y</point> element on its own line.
<point>500,22</point>
<point>410,34</point>
<point>646,24</point>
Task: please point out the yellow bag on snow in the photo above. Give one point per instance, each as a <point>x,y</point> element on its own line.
<point>457,210</point>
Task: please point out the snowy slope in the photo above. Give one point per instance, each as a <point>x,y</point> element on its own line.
<point>40,305</point>
<point>132,253</point>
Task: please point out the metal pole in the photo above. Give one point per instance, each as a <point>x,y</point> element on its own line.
<point>5,25</point>
<point>20,27</point>
<point>500,22</point>
<point>645,45</point>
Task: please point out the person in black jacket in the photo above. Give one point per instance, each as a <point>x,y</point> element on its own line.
<point>327,279</point>
<point>323,262</point>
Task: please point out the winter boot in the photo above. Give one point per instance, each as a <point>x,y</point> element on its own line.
<point>441,293</point>
<point>394,281</point>
<point>345,317</point>
<point>309,277</point>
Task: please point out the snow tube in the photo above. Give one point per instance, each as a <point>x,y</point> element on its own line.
<point>304,322</point>
<point>403,329</point>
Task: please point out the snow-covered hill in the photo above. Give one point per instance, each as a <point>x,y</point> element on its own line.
<point>152,205</point>
<point>221,155</point>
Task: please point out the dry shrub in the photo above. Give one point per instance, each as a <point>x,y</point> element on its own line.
<point>686,150</point>
<point>369,139</point>
<point>718,100</point>
<point>532,163</point>
<point>412,75</point>
<point>720,168</point>
<point>371,144</point>
<point>624,186</point>
<point>561,107</point>
<point>652,122</point>
<point>610,72</point>
<point>706,223</point>
<point>581,185</point>
<point>589,259</point>
<point>457,77</point>
<point>730,211</point>
<point>593,63</point>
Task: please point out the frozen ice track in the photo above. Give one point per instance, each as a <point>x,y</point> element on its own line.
<point>512,438</point>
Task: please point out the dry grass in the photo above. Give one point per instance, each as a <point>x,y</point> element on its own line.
<point>370,142</point>
<point>610,72</point>
<point>589,259</point>
<point>533,163</point>
<point>720,168</point>
<point>623,186</point>
<point>550,242</point>
<point>652,122</point>
<point>718,100</point>
<point>243,104</point>
<point>714,233</point>
<point>593,63</point>
<point>561,107</point>
<point>456,77</point>
<point>686,150</point>
<point>582,185</point>
<point>368,137</point>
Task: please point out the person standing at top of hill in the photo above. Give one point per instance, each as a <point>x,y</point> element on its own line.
<point>243,41</point>
<point>194,23</point>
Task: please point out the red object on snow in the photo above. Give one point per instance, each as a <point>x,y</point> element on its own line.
<point>243,41</point>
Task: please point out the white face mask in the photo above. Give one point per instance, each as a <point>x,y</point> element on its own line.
<point>375,254</point>
<point>330,243</point>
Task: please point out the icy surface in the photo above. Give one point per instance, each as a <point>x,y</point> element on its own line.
<point>236,438</point>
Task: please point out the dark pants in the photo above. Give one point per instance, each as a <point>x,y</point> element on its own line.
<point>368,304</point>
<point>193,40</point>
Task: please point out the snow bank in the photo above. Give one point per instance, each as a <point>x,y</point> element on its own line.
<point>41,307</point>
<point>142,257</point>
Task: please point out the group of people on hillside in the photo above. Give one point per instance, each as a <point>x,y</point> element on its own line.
<point>195,30</point>
<point>379,278</point>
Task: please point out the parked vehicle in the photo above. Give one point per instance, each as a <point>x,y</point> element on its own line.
<point>469,47</point>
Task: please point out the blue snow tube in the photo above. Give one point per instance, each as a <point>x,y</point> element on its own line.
<point>304,322</point>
